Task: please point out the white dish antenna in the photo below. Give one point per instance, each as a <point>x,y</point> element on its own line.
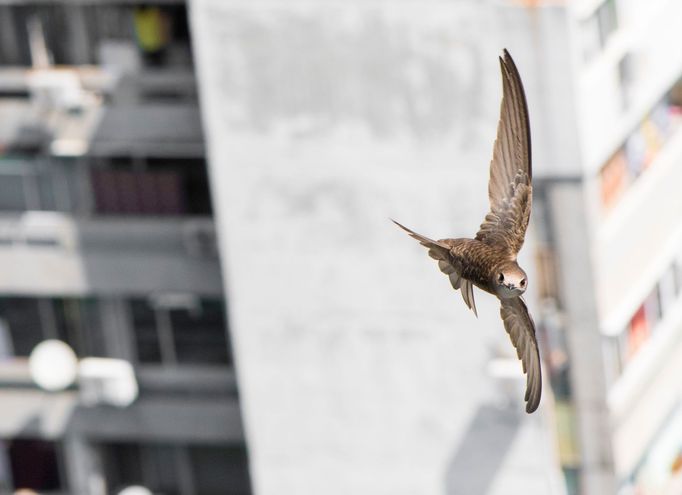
<point>53,365</point>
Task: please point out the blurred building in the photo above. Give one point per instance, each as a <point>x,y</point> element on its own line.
<point>360,371</point>
<point>107,242</point>
<point>605,87</point>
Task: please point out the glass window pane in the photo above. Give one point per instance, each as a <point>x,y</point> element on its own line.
<point>146,335</point>
<point>200,334</point>
<point>22,317</point>
<point>122,465</point>
<point>220,470</point>
<point>90,318</point>
<point>79,325</point>
<point>34,464</point>
<point>150,465</point>
<point>66,319</point>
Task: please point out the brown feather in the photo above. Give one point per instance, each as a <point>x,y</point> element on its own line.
<point>521,330</point>
<point>509,187</point>
<point>448,263</point>
<point>480,261</point>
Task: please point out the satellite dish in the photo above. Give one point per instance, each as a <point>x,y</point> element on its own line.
<point>135,490</point>
<point>53,365</point>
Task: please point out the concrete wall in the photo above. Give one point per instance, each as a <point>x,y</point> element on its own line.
<point>360,370</point>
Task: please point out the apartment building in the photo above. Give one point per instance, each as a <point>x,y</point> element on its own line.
<point>605,98</point>
<point>107,242</point>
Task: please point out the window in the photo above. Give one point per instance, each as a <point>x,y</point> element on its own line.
<point>199,333</point>
<point>152,187</point>
<point>146,333</point>
<point>640,149</point>
<point>620,349</point>
<point>22,321</point>
<point>36,182</point>
<point>614,179</point>
<point>78,323</point>
<point>180,330</point>
<point>667,290</point>
<point>79,34</point>
<point>25,322</point>
<point>153,466</point>
<point>638,331</point>
<point>14,48</point>
<point>677,275</point>
<point>613,358</point>
<point>596,30</point>
<point>626,79</point>
<point>34,464</point>
<point>220,470</point>
<point>164,468</point>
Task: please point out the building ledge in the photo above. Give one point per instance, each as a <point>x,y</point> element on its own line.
<point>645,395</point>
<point>52,253</point>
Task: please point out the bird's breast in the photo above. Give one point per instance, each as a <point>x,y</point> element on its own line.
<point>478,262</point>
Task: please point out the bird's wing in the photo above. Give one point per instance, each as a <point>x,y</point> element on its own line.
<point>509,187</point>
<point>521,330</point>
<point>440,251</point>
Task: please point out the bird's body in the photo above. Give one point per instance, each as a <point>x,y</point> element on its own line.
<point>489,260</point>
<point>478,261</point>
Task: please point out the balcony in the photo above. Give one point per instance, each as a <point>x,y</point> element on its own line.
<point>642,224</point>
<point>128,212</point>
<point>156,130</point>
<point>162,413</point>
<point>52,253</point>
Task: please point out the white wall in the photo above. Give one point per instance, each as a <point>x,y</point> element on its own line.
<point>360,370</point>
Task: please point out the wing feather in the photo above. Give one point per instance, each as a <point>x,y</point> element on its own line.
<point>509,186</point>
<point>468,295</point>
<point>521,330</point>
<point>440,251</point>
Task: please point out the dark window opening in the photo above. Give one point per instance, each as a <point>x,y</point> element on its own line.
<point>180,335</point>
<point>199,334</point>
<point>79,324</point>
<point>146,336</point>
<point>220,470</point>
<point>152,187</point>
<point>25,322</point>
<point>149,36</point>
<point>21,324</point>
<point>165,468</point>
<point>34,465</point>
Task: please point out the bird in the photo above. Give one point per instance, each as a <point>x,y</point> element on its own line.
<point>488,261</point>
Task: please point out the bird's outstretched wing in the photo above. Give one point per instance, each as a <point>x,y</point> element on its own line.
<point>440,251</point>
<point>509,187</point>
<point>521,330</point>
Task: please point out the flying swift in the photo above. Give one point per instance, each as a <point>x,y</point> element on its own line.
<point>488,261</point>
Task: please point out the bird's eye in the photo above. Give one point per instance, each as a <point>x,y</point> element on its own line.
<point>500,278</point>
<point>523,282</point>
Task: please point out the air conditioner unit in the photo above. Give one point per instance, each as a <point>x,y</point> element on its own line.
<point>105,381</point>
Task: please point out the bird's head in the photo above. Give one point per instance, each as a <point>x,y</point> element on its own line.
<point>510,280</point>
